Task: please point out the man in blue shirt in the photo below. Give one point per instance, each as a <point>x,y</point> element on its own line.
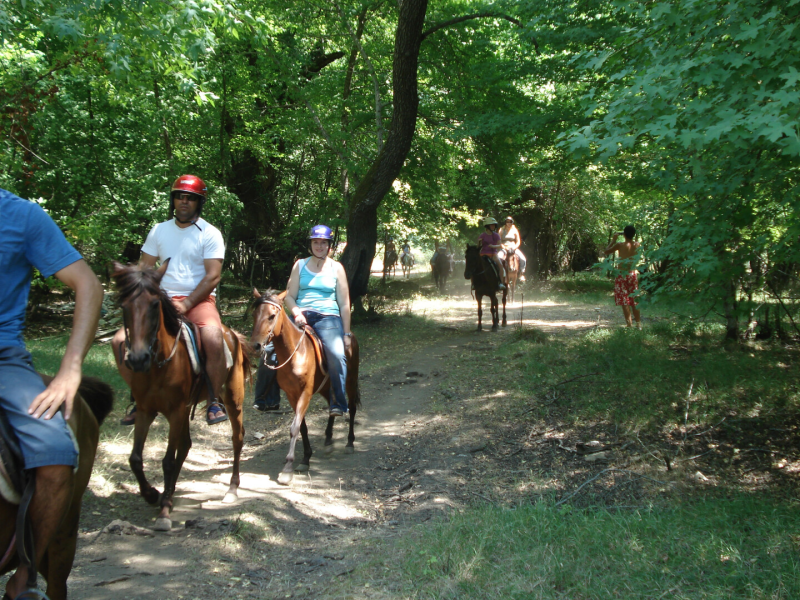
<point>30,239</point>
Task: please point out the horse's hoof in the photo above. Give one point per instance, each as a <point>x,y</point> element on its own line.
<point>285,478</point>
<point>329,448</point>
<point>230,498</point>
<point>349,450</point>
<point>163,524</point>
<point>301,468</point>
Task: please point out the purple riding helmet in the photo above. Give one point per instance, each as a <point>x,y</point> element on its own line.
<point>320,232</point>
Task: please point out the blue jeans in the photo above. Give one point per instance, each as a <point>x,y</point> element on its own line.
<point>43,442</point>
<point>268,393</point>
<point>330,330</point>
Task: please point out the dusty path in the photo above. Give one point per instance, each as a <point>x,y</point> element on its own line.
<point>413,460</point>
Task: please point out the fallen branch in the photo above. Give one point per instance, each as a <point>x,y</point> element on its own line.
<point>576,378</point>
<point>612,470</point>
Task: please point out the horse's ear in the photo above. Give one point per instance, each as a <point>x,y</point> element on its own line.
<point>117,268</point>
<point>282,295</point>
<point>256,293</point>
<point>162,269</point>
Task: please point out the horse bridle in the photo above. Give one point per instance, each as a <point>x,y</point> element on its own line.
<point>155,345</point>
<point>271,336</point>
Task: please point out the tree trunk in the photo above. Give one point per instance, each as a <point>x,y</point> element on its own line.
<point>731,313</point>
<point>362,226</point>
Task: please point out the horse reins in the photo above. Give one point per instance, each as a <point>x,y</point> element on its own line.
<point>271,336</point>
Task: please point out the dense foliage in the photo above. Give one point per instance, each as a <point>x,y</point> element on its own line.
<point>575,117</point>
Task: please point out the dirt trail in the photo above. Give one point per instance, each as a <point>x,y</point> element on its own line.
<point>410,464</point>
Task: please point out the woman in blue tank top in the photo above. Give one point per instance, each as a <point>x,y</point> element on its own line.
<point>317,294</point>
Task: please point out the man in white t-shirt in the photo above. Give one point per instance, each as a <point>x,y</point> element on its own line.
<point>196,251</point>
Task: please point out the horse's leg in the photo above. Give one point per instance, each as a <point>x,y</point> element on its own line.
<point>234,401</point>
<point>326,393</point>
<point>353,396</point>
<point>57,562</point>
<point>495,313</point>
<point>307,451</point>
<point>178,446</point>
<point>285,477</point>
<point>140,430</point>
<point>505,295</point>
<point>480,309</point>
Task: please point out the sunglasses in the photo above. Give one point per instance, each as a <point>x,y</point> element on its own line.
<point>186,196</point>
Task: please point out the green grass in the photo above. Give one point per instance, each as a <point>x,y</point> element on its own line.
<point>743,547</point>
<point>642,377</point>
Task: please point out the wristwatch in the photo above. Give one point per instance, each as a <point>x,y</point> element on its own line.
<point>348,334</point>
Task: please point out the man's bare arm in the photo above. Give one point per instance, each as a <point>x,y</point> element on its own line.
<point>88,298</point>
<point>613,246</point>
<point>147,261</point>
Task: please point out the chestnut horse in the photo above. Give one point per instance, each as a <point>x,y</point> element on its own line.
<point>390,263</point>
<point>484,283</point>
<point>511,263</point>
<point>299,374</point>
<point>92,404</point>
<point>164,382</point>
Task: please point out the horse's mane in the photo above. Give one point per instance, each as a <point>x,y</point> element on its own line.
<point>132,282</point>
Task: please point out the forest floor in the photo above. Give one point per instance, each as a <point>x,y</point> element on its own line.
<point>433,436</point>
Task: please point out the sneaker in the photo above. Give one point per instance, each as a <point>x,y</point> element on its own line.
<point>501,287</point>
<point>522,277</point>
<point>215,414</point>
<point>129,419</point>
<point>265,408</point>
<point>337,412</point>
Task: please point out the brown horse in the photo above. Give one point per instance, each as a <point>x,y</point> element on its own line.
<point>300,375</point>
<point>511,263</point>
<point>484,283</point>
<point>390,263</point>
<point>441,270</point>
<point>164,381</point>
<point>93,403</point>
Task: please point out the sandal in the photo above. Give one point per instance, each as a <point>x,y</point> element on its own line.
<point>130,419</point>
<point>215,414</point>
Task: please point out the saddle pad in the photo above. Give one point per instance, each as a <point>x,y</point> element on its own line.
<point>187,333</point>
<point>191,347</point>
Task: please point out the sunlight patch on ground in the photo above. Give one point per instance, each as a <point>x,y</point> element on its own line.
<point>564,324</point>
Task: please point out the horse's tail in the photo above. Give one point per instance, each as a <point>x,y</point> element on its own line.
<point>247,351</point>
<point>98,395</point>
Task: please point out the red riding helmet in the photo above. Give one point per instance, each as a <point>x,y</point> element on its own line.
<point>192,184</point>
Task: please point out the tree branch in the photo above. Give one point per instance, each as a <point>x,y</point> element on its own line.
<point>319,63</point>
<point>378,103</point>
<point>485,15</point>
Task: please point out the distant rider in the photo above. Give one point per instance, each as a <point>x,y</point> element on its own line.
<point>511,240</point>
<point>489,243</point>
<point>406,251</point>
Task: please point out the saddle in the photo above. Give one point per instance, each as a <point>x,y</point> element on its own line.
<point>488,261</point>
<point>12,465</point>
<point>322,359</point>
